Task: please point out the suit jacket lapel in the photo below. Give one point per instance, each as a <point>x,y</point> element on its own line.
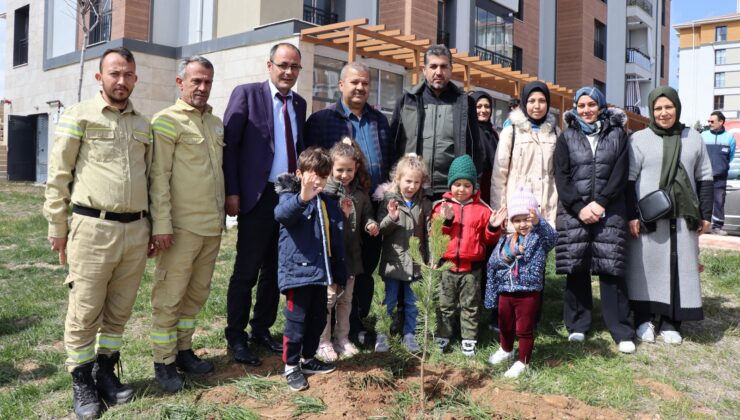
<point>267,107</point>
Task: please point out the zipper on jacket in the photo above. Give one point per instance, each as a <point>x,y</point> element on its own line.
<point>593,169</point>
<point>459,241</point>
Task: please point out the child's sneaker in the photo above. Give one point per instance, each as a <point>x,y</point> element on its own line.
<point>326,352</point>
<point>381,344</point>
<point>627,347</point>
<point>296,380</point>
<point>468,347</point>
<point>576,337</point>
<point>671,337</point>
<point>442,343</point>
<point>515,370</point>
<point>646,332</point>
<point>314,365</point>
<point>409,341</point>
<point>501,355</point>
<point>345,348</point>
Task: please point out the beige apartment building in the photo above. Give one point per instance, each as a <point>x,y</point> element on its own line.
<point>538,37</point>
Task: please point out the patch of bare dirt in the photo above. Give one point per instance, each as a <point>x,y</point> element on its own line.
<point>57,346</point>
<point>8,247</point>
<point>44,265</point>
<point>659,390</point>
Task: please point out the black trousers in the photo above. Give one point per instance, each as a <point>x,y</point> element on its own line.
<point>362,296</point>
<point>718,209</point>
<point>305,319</point>
<point>256,254</point>
<point>615,306</point>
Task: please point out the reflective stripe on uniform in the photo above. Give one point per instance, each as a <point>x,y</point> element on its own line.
<point>83,355</point>
<point>68,127</point>
<point>110,341</point>
<point>162,126</point>
<point>164,337</point>
<point>186,324</point>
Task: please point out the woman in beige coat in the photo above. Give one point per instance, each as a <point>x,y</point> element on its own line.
<point>524,157</point>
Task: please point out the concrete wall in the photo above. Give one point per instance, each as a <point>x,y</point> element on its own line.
<point>696,83</point>
<point>616,45</point>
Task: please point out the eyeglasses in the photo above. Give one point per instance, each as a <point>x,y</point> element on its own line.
<point>285,67</point>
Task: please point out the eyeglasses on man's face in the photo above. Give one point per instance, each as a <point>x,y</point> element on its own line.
<point>286,66</point>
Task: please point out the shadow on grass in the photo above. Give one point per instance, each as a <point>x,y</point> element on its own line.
<point>719,316</point>
<point>13,325</point>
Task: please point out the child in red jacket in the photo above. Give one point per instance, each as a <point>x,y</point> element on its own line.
<point>472,225</point>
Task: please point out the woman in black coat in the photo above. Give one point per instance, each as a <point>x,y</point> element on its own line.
<point>591,165</point>
<point>489,138</point>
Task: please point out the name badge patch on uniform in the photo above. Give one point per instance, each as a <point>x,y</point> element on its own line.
<point>725,149</point>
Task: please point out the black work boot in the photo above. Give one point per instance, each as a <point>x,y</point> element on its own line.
<point>167,377</point>
<point>110,388</point>
<point>85,397</point>
<point>187,361</point>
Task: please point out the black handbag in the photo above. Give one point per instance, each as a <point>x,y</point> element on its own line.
<point>654,206</point>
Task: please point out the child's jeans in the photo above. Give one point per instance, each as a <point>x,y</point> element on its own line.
<point>463,290</point>
<point>343,308</point>
<point>305,318</point>
<point>517,316</point>
<point>409,302</point>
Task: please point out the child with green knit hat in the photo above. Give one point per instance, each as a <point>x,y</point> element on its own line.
<point>472,226</point>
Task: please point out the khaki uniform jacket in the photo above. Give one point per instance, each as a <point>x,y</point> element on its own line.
<point>100,160</point>
<point>187,179</point>
<point>532,164</point>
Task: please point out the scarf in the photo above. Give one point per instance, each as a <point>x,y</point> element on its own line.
<point>685,202</point>
<point>528,89</point>
<point>598,97</point>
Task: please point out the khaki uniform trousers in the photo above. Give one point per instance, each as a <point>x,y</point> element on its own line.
<point>182,282</point>
<point>343,309</point>
<point>461,289</point>
<point>106,263</point>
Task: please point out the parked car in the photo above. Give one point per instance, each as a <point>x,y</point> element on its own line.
<point>732,202</point>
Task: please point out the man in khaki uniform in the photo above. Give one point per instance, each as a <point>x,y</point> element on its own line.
<point>99,162</point>
<point>187,206</point>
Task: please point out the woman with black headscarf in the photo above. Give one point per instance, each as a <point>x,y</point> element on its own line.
<point>524,156</point>
<point>489,138</point>
<point>591,162</point>
<point>663,256</point>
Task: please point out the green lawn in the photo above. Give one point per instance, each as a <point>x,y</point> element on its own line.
<point>698,379</point>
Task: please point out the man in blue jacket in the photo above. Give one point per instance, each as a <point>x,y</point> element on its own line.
<point>721,148</point>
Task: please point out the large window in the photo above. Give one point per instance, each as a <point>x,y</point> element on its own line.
<point>719,80</point>
<point>494,38</point>
<point>600,85</point>
<point>20,36</point>
<point>719,102</point>
<point>599,40</point>
<point>720,33</point>
<point>662,61</point>
<point>385,86</point>
<point>720,56</point>
<point>99,22</point>
<point>320,12</point>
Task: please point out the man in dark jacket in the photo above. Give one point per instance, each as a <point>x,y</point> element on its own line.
<point>721,149</point>
<point>436,119</point>
<point>352,116</point>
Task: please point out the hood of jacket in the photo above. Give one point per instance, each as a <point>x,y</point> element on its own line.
<point>615,117</point>
<point>521,121</point>
<point>287,183</point>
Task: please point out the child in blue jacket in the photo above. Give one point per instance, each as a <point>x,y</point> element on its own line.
<point>310,258</point>
<point>516,273</point>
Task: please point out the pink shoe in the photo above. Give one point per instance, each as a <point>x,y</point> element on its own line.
<point>326,353</point>
<point>345,348</point>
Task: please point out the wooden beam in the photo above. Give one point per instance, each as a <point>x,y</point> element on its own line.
<point>334,26</point>
<point>351,49</point>
<point>466,79</point>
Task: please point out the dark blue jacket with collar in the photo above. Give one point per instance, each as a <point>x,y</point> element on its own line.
<point>305,255</point>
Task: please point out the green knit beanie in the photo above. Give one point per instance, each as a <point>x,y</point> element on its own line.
<point>462,168</point>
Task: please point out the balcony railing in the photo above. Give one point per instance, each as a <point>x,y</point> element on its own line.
<point>633,108</point>
<point>318,16</point>
<point>645,5</point>
<point>20,52</point>
<point>101,32</point>
<point>638,57</point>
<point>493,57</point>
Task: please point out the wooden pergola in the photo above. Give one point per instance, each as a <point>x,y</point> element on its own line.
<point>358,39</point>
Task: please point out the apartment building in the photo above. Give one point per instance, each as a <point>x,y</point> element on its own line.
<point>709,67</point>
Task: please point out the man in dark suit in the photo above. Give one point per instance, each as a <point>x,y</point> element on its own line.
<point>263,134</point>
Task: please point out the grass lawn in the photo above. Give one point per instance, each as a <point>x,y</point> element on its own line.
<point>698,379</point>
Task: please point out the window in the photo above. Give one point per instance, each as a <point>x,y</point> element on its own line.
<point>20,36</point>
<point>599,40</point>
<point>719,57</point>
<point>494,36</point>
<point>99,22</point>
<point>719,102</point>
<point>443,35</point>
<point>517,58</point>
<point>520,14</point>
<point>600,85</point>
<point>662,61</point>
<point>719,80</point>
<point>320,12</point>
<point>720,33</point>
<point>662,12</point>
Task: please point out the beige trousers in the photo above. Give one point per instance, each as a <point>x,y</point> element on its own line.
<point>343,308</point>
<point>182,282</point>
<point>106,262</point>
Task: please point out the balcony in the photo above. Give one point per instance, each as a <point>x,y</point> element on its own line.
<point>101,32</point>
<point>640,13</point>
<point>638,57</point>
<point>318,16</point>
<point>493,57</point>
